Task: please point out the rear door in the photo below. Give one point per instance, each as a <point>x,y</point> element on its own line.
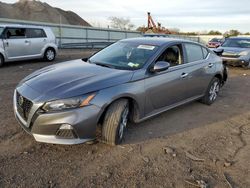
<point>14,43</point>
<point>36,39</point>
<point>198,67</point>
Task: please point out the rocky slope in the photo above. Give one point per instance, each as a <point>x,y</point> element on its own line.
<point>33,10</point>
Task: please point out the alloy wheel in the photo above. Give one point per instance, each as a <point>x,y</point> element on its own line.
<point>214,90</point>
<point>50,55</point>
<point>123,122</point>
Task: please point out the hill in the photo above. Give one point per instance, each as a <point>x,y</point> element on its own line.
<point>33,10</point>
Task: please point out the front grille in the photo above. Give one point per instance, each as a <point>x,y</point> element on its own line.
<point>230,55</point>
<point>23,106</point>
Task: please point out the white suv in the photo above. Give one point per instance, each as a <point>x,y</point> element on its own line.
<point>19,42</point>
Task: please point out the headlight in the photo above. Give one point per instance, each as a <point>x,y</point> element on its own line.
<point>63,104</point>
<point>244,53</point>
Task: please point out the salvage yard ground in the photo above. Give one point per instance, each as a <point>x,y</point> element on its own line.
<point>188,146</point>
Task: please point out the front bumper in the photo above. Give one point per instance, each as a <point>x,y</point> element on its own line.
<point>236,61</point>
<point>44,127</point>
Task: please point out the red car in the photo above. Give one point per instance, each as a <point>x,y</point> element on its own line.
<point>214,43</point>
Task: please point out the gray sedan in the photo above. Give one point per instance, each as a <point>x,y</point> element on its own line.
<point>131,80</point>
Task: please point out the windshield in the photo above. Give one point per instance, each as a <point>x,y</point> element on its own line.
<point>1,30</point>
<point>238,43</point>
<point>124,55</point>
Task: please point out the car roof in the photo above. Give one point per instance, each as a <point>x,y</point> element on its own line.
<point>21,26</point>
<point>155,41</point>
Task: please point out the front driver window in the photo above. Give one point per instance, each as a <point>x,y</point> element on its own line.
<point>15,33</point>
<point>172,55</point>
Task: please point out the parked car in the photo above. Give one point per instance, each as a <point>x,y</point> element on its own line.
<point>214,43</point>
<point>236,51</point>
<point>155,35</point>
<point>19,42</point>
<point>133,79</point>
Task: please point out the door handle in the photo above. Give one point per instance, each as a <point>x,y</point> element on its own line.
<point>210,65</point>
<point>184,75</point>
<point>6,44</point>
<point>27,41</point>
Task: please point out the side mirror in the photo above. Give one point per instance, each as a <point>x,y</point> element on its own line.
<point>85,59</point>
<point>160,66</point>
<point>218,51</point>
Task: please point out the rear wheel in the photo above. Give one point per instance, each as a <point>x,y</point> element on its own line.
<point>50,54</point>
<point>1,60</point>
<point>115,122</point>
<point>212,92</point>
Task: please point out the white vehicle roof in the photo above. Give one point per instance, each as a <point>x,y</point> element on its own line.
<point>22,26</point>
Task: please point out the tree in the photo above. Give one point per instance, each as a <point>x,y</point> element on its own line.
<point>231,33</point>
<point>121,23</point>
<point>174,30</point>
<point>212,32</point>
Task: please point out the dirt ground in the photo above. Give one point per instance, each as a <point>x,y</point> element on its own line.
<point>191,146</point>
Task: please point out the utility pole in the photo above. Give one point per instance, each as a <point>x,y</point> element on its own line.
<point>60,31</point>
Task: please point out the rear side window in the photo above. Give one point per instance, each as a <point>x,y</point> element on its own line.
<point>15,33</point>
<point>205,52</point>
<point>194,52</point>
<point>35,33</point>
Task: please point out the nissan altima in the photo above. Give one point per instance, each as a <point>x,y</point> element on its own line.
<point>130,80</point>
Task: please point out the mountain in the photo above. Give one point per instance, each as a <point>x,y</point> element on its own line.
<point>33,10</point>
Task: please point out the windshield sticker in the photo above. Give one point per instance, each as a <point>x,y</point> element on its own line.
<point>146,47</point>
<point>133,64</point>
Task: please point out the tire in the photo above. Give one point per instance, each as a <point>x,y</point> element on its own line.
<point>212,91</point>
<point>115,122</point>
<point>50,55</point>
<point>1,60</point>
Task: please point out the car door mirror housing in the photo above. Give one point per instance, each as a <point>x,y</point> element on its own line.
<point>85,59</point>
<point>218,51</point>
<point>160,66</point>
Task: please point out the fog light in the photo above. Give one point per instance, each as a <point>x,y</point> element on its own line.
<point>66,131</point>
<point>66,127</point>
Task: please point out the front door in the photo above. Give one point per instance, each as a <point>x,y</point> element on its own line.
<point>168,87</point>
<point>15,45</point>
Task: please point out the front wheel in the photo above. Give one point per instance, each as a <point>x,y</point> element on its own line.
<point>49,54</point>
<point>115,122</point>
<point>212,92</point>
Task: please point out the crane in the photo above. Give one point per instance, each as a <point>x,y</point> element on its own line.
<point>152,26</point>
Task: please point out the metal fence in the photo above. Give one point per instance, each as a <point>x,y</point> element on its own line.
<point>69,36</point>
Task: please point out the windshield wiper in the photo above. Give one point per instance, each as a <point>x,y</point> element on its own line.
<point>104,65</point>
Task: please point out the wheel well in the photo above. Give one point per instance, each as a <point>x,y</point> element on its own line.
<point>133,108</point>
<point>2,56</point>
<point>219,77</point>
<point>51,49</point>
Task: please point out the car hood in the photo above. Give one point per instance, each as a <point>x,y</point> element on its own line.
<point>232,50</point>
<point>74,78</point>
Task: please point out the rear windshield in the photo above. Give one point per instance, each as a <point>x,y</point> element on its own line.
<point>237,43</point>
<point>1,30</point>
<point>215,40</point>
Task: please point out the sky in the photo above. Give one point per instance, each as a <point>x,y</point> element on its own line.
<point>187,15</point>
